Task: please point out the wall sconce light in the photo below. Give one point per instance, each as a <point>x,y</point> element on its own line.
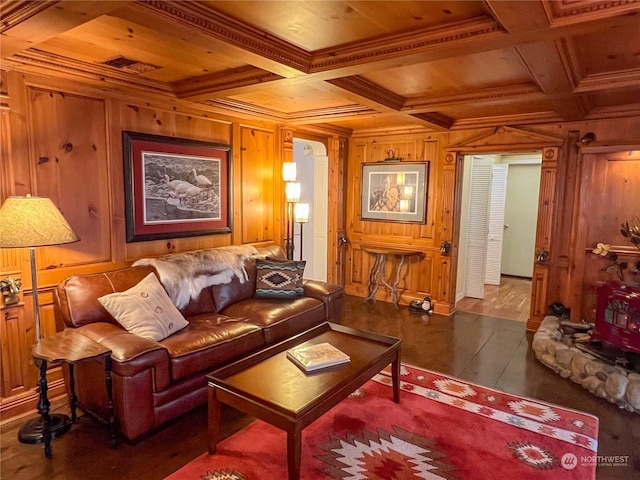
<point>289,171</point>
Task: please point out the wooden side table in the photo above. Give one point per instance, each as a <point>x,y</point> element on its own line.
<point>377,272</point>
<point>70,347</point>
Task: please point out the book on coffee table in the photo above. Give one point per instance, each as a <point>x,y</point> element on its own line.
<point>314,357</point>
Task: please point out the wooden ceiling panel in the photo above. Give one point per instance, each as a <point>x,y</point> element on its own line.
<point>609,50</point>
<point>291,98</point>
<point>108,37</point>
<point>314,25</point>
<point>454,75</point>
<point>358,64</point>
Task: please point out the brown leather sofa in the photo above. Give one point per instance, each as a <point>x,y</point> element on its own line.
<point>154,382</point>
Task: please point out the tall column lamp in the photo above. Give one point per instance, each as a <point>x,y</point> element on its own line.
<point>292,195</point>
<point>30,222</point>
<point>301,216</point>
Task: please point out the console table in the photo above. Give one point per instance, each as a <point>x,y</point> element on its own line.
<point>377,272</point>
<point>70,347</point>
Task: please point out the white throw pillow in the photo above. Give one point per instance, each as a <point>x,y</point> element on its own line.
<point>145,310</point>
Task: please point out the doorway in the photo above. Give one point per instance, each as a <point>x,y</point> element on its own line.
<point>310,239</point>
<point>499,209</point>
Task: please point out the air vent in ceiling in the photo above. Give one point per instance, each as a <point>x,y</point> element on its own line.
<point>130,65</point>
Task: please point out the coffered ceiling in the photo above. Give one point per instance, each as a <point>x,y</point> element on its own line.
<point>351,64</point>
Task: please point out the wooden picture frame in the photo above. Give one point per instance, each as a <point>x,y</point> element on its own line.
<point>175,187</point>
<point>394,191</point>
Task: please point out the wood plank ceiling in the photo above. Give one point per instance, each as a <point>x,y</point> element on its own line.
<point>351,64</point>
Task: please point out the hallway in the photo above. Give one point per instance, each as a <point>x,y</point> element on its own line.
<point>511,299</point>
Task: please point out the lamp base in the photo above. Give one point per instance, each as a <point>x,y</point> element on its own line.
<point>31,432</point>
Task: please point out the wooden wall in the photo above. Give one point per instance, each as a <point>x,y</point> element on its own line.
<point>63,140</point>
<point>581,199</point>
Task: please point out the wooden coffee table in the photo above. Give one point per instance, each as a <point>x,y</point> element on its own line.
<point>270,387</point>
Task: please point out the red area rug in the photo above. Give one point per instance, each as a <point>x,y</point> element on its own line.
<point>442,428</point>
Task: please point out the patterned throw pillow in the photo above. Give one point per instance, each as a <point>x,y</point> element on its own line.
<point>279,279</point>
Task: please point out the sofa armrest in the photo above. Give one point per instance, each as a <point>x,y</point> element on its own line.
<point>131,354</point>
<point>329,294</point>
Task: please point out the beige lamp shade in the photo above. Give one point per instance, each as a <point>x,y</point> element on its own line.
<point>33,222</point>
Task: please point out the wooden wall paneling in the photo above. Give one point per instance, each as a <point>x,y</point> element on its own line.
<point>616,178</point>
<point>15,353</point>
<point>404,148</point>
<point>546,210</point>
<point>260,172</point>
<point>357,157</point>
<point>564,220</point>
<point>19,135</point>
<point>161,121</point>
<point>337,152</point>
<point>70,166</point>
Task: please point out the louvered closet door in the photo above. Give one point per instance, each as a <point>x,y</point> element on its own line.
<point>479,189</point>
<point>496,223</point>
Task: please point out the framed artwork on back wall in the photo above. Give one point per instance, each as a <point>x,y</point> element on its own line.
<point>394,191</point>
<point>175,187</point>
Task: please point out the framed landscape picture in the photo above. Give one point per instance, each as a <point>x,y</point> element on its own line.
<point>394,191</point>
<point>175,187</point>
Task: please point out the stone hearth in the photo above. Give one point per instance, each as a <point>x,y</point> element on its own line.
<point>611,382</point>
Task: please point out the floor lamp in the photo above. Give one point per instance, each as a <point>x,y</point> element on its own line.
<point>301,216</point>
<point>293,197</point>
<point>29,222</point>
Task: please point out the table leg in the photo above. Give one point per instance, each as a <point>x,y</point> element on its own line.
<point>374,274</point>
<point>73,400</point>
<point>43,406</point>
<point>214,420</point>
<point>397,281</point>
<point>294,452</point>
<point>112,414</point>
<point>395,377</point>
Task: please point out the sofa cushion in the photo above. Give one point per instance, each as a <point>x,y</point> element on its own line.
<point>208,341</point>
<point>145,310</point>
<point>76,298</point>
<point>279,279</point>
<point>279,319</point>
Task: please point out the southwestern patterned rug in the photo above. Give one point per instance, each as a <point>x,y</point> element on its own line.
<point>443,428</point>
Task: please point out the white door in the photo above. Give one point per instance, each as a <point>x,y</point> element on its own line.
<point>521,217</point>
<point>478,223</point>
<point>497,200</point>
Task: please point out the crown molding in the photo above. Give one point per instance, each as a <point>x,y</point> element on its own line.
<point>405,43</point>
<point>527,91</point>
<point>606,81</point>
<point>227,29</point>
<point>508,120</point>
<point>37,61</point>
<point>567,12</point>
<point>15,12</point>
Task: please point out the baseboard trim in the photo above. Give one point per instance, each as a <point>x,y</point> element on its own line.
<point>14,408</point>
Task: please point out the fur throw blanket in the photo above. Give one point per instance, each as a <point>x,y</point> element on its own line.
<point>184,275</point>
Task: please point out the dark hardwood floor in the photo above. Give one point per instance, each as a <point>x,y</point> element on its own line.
<point>488,351</point>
